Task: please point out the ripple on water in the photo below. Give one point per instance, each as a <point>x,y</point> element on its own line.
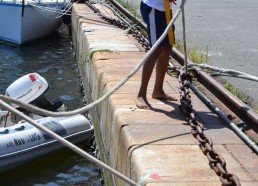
<point>52,58</point>
<point>66,97</point>
<point>43,70</point>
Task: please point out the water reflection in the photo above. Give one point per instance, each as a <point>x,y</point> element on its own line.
<point>61,168</point>
<point>52,58</point>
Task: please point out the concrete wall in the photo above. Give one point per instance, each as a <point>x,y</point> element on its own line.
<point>152,147</point>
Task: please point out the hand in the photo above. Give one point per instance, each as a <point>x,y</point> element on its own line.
<point>173,1</point>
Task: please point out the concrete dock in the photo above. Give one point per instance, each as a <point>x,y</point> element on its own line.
<point>151,147</point>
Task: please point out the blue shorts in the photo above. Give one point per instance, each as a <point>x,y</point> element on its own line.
<point>156,24</point>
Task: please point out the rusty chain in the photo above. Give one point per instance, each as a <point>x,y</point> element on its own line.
<point>135,30</point>
<point>216,161</point>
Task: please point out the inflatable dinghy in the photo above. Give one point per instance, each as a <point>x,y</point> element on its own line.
<point>20,141</point>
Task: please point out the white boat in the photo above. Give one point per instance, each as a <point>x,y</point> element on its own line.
<point>22,21</point>
<point>20,141</point>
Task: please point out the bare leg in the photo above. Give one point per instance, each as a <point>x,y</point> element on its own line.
<point>141,100</point>
<point>161,69</point>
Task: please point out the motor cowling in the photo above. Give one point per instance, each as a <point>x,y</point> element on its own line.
<point>31,89</point>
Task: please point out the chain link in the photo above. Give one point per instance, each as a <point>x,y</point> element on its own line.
<point>135,30</point>
<point>216,161</point>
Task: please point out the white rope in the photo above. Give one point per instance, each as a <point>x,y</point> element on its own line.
<point>67,143</point>
<point>56,10</point>
<point>59,12</point>
<point>231,72</point>
<point>84,109</point>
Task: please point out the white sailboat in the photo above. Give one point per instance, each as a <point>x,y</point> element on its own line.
<point>22,21</point>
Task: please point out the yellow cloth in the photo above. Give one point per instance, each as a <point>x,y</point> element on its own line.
<point>168,19</point>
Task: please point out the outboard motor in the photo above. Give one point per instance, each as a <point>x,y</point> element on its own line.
<point>31,89</point>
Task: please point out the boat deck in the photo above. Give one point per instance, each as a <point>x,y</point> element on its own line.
<point>152,147</point>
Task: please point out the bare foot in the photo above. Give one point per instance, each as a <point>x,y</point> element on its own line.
<point>142,103</point>
<point>164,96</point>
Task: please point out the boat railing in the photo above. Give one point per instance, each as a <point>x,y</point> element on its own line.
<point>34,1</point>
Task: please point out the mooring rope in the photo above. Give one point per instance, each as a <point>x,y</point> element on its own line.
<point>82,110</point>
<point>59,12</point>
<point>224,71</point>
<point>67,143</point>
<point>86,108</point>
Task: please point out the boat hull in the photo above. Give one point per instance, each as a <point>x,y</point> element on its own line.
<point>23,142</point>
<point>32,24</point>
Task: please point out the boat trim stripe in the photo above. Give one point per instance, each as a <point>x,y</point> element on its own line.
<point>11,4</point>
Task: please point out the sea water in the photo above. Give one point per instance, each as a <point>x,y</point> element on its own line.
<point>53,59</point>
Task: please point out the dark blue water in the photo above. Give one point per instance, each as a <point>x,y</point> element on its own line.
<point>52,58</point>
